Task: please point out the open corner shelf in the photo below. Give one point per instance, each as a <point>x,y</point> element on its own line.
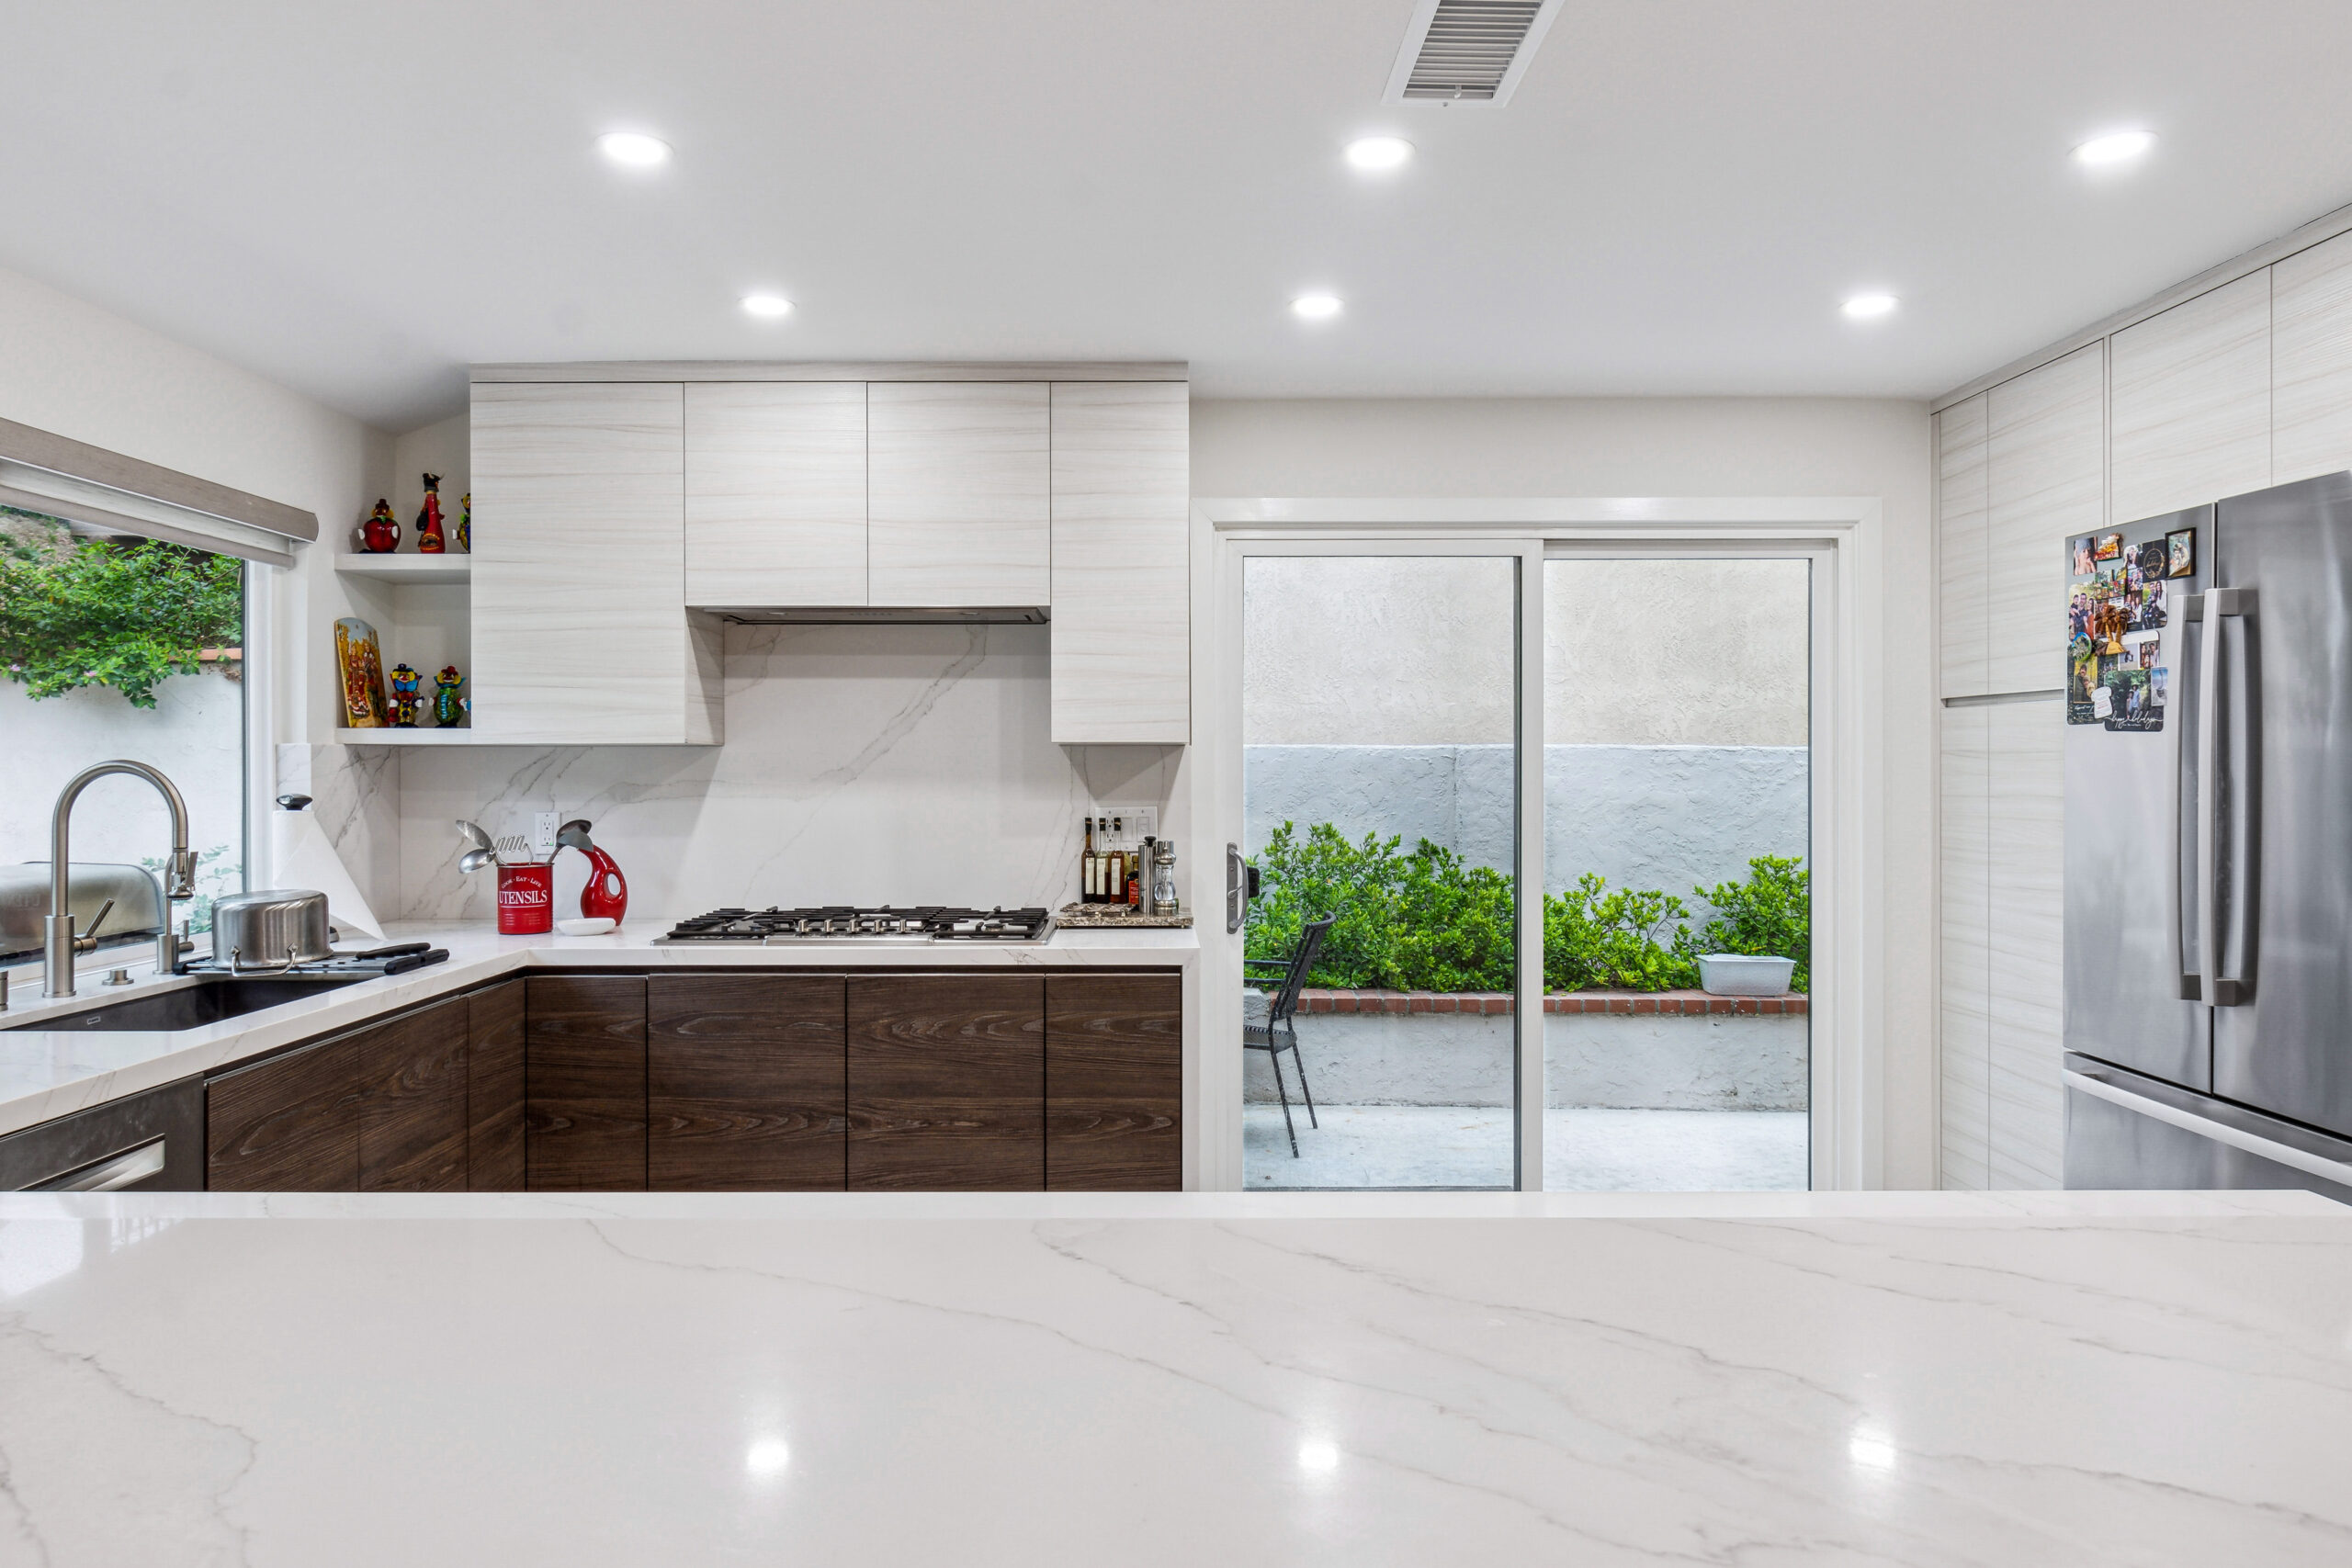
<point>404,737</point>
<point>407,567</point>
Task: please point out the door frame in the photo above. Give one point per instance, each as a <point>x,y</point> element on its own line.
<point>1839,534</point>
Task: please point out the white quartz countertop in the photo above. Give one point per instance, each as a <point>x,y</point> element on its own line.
<point>1925,1379</point>
<point>45,1073</point>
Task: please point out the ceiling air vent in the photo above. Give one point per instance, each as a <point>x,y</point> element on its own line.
<point>1467,51</point>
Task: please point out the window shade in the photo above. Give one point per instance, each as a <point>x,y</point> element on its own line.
<point>51,474</point>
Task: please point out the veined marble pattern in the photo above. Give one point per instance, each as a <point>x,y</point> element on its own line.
<point>355,793</point>
<point>870,765</point>
<point>1012,1381</point>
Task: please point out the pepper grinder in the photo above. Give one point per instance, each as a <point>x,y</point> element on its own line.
<point>1163,877</point>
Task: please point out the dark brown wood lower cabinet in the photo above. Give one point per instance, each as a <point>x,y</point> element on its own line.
<point>1114,1083</point>
<point>413,1102</point>
<point>495,1089</point>
<point>289,1124</point>
<point>947,1081</point>
<point>746,1083</point>
<point>585,1079</point>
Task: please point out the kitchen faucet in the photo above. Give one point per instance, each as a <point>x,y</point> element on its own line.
<point>59,942</point>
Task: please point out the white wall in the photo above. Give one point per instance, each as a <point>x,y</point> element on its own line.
<point>70,367</point>
<point>1664,447</point>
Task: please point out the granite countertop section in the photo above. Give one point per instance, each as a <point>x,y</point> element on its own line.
<point>45,1073</point>
<point>1104,916</point>
<point>1932,1379</point>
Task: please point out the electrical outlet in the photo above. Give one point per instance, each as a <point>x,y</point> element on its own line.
<point>1139,821</point>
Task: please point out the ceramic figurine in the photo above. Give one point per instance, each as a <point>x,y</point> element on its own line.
<point>404,697</point>
<point>381,534</point>
<point>361,670</point>
<point>466,523</point>
<point>447,713</point>
<point>428,519</point>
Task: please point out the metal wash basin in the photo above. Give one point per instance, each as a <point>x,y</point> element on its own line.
<point>210,1000</point>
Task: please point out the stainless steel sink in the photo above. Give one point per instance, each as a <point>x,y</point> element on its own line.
<point>210,1000</point>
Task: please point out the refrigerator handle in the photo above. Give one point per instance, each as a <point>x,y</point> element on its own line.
<point>2192,976</point>
<point>2208,795</point>
<point>2224,991</point>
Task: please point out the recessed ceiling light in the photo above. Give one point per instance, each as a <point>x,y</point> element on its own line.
<point>1863,306</point>
<point>2119,147</point>
<point>1316,307</point>
<point>632,149</point>
<point>767,306</point>
<point>1379,151</point>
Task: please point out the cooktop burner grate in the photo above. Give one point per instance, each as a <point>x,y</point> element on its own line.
<point>844,923</point>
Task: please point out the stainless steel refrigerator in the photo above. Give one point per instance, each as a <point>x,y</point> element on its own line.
<point>2209,846</point>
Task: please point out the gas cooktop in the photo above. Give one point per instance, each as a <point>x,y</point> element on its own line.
<point>842,922</point>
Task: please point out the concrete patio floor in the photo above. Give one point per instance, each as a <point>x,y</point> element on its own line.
<point>1584,1151</point>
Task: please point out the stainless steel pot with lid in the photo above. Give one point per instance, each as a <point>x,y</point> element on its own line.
<point>272,929</point>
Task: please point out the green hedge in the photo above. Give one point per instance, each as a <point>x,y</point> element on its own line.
<point>1422,920</point>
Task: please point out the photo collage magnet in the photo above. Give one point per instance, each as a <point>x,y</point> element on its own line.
<point>2119,602</point>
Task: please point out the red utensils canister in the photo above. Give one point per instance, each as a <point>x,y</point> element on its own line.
<point>526,900</point>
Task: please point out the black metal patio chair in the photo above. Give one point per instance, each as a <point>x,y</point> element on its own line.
<point>1278,1034</point>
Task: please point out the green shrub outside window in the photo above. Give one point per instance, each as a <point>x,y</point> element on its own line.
<point>1420,919</point>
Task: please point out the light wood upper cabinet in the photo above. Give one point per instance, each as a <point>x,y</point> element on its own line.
<point>2311,362</point>
<point>580,633</point>
<point>2044,473</point>
<point>1962,559</point>
<point>959,493</point>
<point>775,492</point>
<point>1122,637</point>
<point>2192,402</point>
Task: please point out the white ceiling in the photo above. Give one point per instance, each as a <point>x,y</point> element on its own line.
<point>360,199</point>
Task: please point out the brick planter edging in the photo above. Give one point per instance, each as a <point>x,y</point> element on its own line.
<point>1500,1004</point>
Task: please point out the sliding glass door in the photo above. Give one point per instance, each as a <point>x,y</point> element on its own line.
<point>1677,868</point>
<point>1380,698</point>
<point>1532,826</point>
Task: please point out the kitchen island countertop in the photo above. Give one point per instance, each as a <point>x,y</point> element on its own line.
<point>1924,1378</point>
<point>45,1073</point>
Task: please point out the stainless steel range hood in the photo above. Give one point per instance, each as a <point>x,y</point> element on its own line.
<point>877,615</point>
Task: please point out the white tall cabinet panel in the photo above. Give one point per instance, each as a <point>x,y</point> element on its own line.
<point>2025,924</point>
<point>580,627</point>
<point>775,492</point>
<point>2311,362</point>
<point>959,487</point>
<point>1962,556</point>
<point>1122,643</point>
<point>2045,467</point>
<point>1964,971</point>
<point>2192,402</point>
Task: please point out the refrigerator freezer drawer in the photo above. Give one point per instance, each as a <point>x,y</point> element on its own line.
<point>2126,1130</point>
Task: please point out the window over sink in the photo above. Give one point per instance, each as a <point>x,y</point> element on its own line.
<point>117,646</point>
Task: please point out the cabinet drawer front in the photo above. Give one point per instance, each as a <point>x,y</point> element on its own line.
<point>947,1082</point>
<point>495,1096</point>
<point>1114,1082</point>
<point>413,1102</point>
<point>959,493</point>
<point>585,1071</point>
<point>290,1124</point>
<point>747,1082</point>
<point>1122,580</point>
<point>775,492</point>
<point>579,614</point>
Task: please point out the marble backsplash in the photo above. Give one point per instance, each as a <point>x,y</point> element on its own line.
<point>894,764</point>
